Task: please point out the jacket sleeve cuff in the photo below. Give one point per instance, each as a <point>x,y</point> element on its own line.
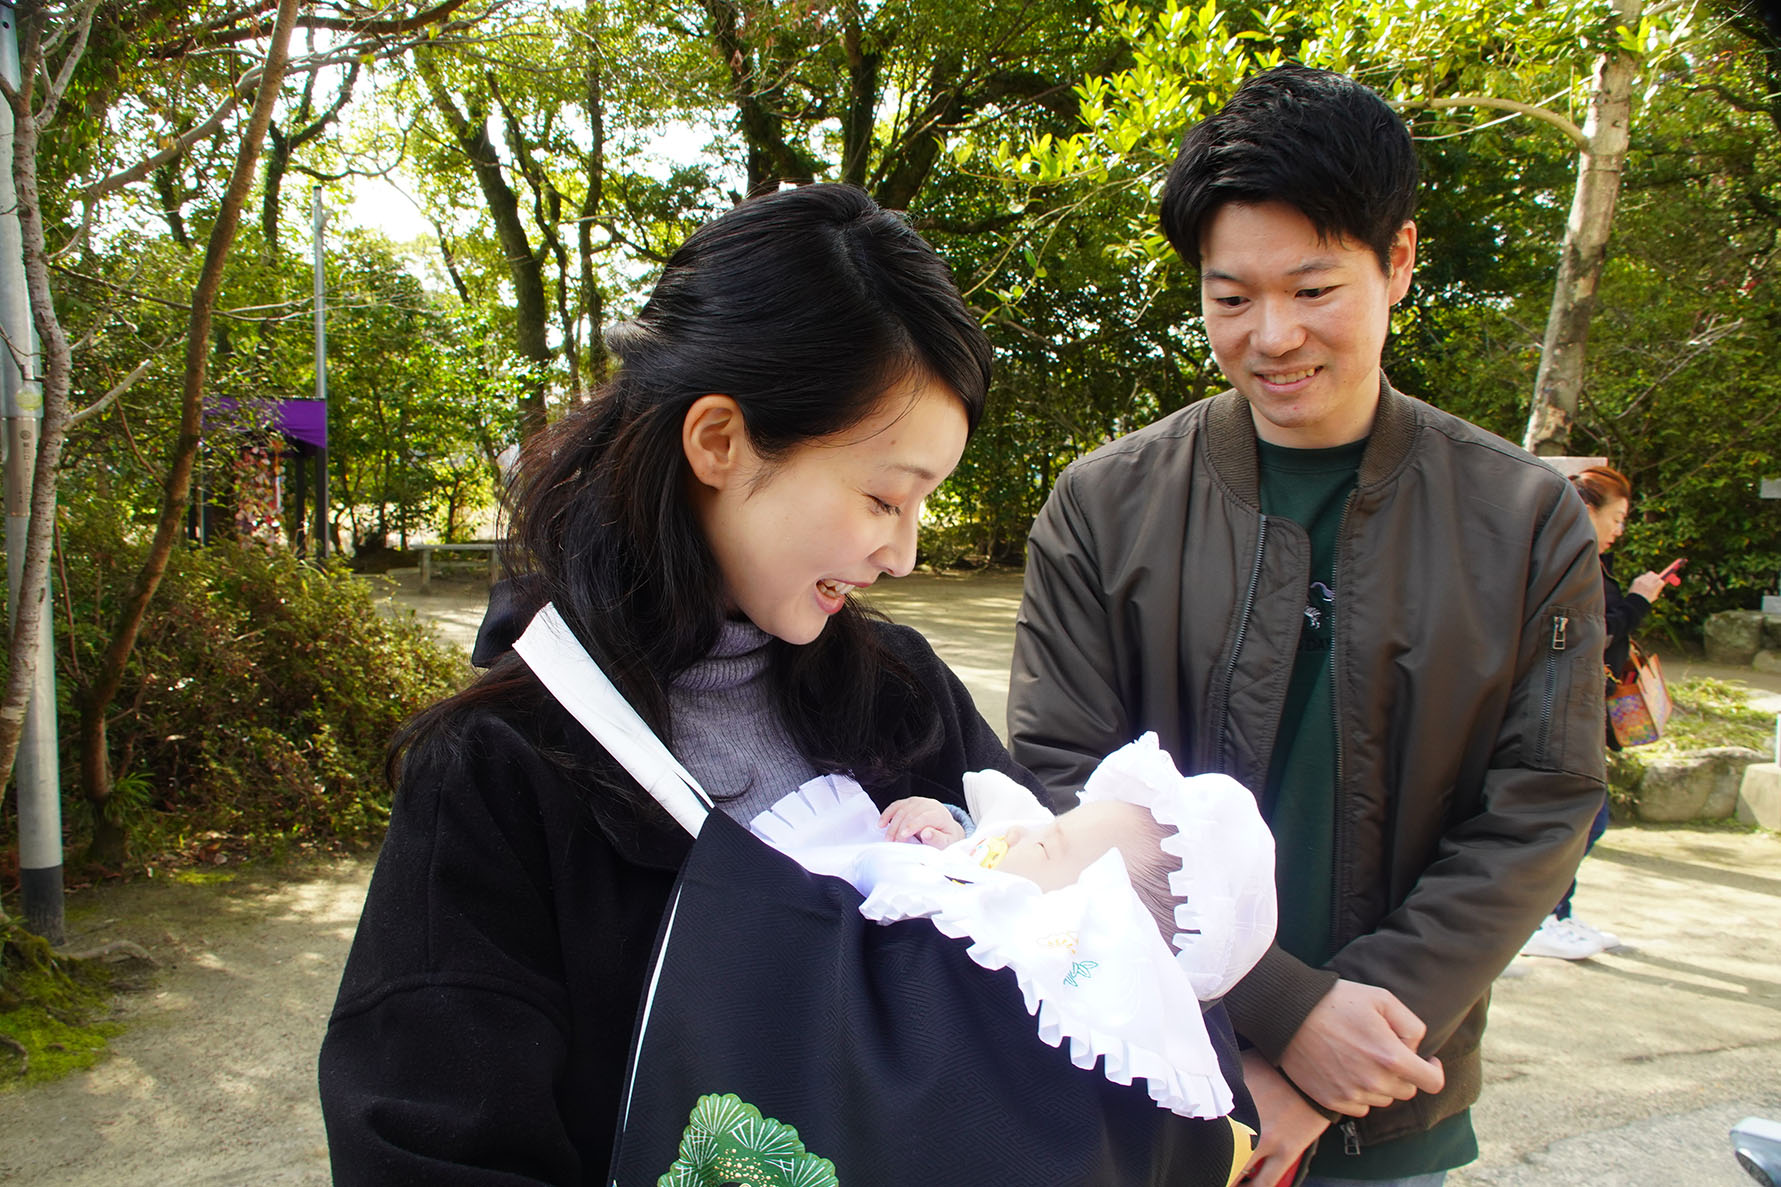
<point>1268,1006</point>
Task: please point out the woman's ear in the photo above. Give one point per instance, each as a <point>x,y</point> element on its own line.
<point>716,441</point>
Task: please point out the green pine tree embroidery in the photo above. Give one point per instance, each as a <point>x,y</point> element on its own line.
<point>727,1142</point>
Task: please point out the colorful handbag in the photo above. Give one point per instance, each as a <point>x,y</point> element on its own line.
<point>1639,701</point>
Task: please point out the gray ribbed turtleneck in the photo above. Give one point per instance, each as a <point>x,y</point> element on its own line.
<point>727,731</point>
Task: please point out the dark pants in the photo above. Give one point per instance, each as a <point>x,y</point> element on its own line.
<point>1597,827</point>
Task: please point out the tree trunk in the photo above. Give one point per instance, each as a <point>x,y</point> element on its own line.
<point>772,158</point>
<point>901,179</point>
<point>1558,385</point>
<point>108,837</point>
<point>278,156</point>
<point>530,309</point>
<point>592,303</point>
<point>860,115</point>
<point>278,159</point>
<point>57,373</point>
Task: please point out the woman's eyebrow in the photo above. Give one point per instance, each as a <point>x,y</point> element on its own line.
<point>921,472</point>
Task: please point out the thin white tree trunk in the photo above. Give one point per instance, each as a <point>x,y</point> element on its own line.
<point>23,657</point>
<point>1607,129</point>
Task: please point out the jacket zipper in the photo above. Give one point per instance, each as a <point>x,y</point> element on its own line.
<point>1338,838</point>
<point>1560,625</point>
<point>1350,1138</point>
<point>1230,668</point>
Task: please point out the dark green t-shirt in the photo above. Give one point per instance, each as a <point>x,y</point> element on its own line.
<point>1311,488</point>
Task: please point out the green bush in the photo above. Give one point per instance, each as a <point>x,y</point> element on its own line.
<point>259,699</point>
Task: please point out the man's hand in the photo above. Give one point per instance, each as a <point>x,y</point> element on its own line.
<point>1356,1051</point>
<point>1649,586</point>
<point>1289,1125</point>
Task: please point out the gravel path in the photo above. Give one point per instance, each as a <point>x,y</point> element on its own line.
<point>213,1080</point>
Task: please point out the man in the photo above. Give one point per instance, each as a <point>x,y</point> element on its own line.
<point>1384,621</point>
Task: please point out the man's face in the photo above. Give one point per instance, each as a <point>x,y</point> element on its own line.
<point>1298,323</point>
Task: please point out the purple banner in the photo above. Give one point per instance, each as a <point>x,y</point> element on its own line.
<point>302,421</point>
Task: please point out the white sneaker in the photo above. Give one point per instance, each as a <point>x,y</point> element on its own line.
<point>1562,939</point>
<point>1607,939</point>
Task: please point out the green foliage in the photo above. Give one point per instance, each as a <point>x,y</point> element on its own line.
<point>423,395</point>
<point>260,697</point>
<point>1680,393</point>
<point>422,399</point>
<point>1028,142</point>
<point>50,1010</point>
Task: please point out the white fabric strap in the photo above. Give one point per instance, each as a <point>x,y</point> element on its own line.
<point>564,667</point>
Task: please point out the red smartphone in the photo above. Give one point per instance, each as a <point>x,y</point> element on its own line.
<point>1671,572</point>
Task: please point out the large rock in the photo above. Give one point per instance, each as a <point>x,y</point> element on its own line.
<point>1767,660</point>
<point>1759,796</point>
<point>1698,785</point>
<point>1733,637</point>
<point>1771,632</point>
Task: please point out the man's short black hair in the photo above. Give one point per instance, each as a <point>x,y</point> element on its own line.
<point>1317,141</point>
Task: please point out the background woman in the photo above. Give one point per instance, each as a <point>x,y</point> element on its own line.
<point>1606,493</point>
<point>802,377</point>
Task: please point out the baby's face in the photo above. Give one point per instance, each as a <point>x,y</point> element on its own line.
<point>1055,854</point>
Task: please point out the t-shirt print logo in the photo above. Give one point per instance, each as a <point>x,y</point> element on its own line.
<point>1320,600</point>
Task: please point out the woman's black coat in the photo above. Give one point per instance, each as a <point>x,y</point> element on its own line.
<point>485,1015</point>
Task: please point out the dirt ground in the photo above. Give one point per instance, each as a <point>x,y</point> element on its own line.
<point>213,1079</point>
<point>1626,1069</point>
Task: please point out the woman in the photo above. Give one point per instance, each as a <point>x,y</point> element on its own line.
<point>1606,493</point>
<point>803,376</point>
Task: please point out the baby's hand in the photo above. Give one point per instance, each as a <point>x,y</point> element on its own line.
<point>921,819</point>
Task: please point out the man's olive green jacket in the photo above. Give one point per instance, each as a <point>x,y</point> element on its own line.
<point>1467,680</point>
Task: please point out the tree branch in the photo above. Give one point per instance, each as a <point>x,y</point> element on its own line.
<point>225,30</point>
<point>1528,109</point>
<point>123,385</point>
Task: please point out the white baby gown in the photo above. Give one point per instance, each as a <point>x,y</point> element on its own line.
<point>1089,960</point>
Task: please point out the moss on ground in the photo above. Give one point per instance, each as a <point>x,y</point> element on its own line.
<point>1711,713</point>
<point>1707,714</point>
<point>197,877</point>
<point>52,1010</point>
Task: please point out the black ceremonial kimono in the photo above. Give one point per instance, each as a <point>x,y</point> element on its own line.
<point>487,1010</point>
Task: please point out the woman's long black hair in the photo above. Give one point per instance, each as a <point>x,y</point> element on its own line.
<point>806,307</point>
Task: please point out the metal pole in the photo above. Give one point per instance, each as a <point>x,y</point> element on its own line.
<point>321,376</point>
<point>1771,603</point>
<point>35,770</point>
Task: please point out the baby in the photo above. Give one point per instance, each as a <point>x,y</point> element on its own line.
<point>1114,917</point>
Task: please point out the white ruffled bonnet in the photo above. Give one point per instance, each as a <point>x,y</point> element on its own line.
<point>1226,910</point>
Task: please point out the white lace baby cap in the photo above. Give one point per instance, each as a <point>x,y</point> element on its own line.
<point>1226,910</point>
